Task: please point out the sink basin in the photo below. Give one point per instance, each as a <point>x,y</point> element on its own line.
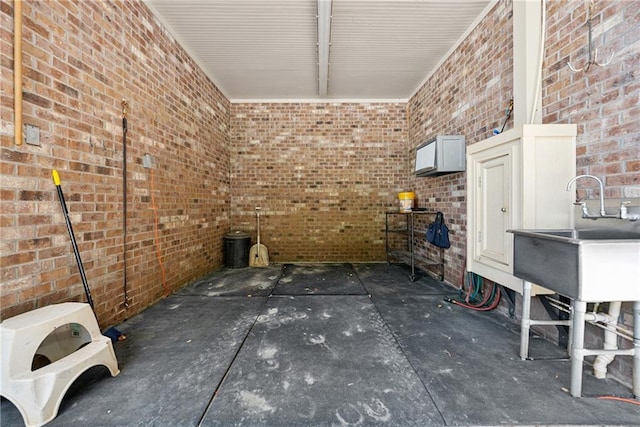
<point>584,234</point>
<point>584,264</point>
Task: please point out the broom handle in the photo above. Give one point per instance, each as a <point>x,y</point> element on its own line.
<point>56,181</point>
<point>258,215</point>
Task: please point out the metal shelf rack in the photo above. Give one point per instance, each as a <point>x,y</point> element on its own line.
<point>408,255</point>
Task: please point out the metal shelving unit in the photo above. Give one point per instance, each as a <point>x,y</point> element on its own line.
<point>408,255</point>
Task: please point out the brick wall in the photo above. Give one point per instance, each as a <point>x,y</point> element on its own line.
<point>323,174</point>
<point>467,95</point>
<point>80,60</point>
<point>602,101</point>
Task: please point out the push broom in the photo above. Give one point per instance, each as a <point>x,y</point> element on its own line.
<point>112,333</point>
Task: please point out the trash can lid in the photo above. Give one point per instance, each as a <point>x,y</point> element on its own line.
<point>237,235</point>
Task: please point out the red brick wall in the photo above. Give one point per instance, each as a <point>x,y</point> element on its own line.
<point>80,60</point>
<point>323,174</point>
<point>603,102</point>
<point>467,95</point>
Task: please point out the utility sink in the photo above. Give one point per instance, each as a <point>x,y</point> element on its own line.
<point>583,264</point>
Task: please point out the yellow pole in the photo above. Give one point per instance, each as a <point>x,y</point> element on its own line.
<point>17,70</point>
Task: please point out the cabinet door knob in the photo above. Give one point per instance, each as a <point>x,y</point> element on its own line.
<point>503,209</point>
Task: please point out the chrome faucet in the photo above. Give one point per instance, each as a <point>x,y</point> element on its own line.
<point>585,212</point>
<point>623,212</point>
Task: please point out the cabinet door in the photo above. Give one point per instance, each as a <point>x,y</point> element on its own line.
<point>494,209</point>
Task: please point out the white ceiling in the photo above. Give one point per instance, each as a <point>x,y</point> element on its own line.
<point>265,50</point>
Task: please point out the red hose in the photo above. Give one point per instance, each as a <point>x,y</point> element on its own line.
<point>620,399</point>
<point>493,305</point>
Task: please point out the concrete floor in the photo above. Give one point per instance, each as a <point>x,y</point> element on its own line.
<point>338,344</point>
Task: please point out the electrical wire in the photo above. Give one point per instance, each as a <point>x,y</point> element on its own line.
<point>167,291</point>
<point>508,113</point>
<point>619,399</point>
<point>543,31</point>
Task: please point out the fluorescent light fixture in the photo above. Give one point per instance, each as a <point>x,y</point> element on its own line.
<point>324,41</point>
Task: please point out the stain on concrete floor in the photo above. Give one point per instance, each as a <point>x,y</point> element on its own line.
<point>338,344</point>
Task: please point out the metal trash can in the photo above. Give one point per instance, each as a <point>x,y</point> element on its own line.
<point>236,249</point>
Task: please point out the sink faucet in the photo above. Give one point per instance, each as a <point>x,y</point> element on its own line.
<point>623,212</point>
<point>585,212</point>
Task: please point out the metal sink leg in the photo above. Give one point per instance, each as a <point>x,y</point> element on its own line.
<point>578,352</point>
<point>636,349</point>
<point>525,323</point>
<point>576,348</point>
<point>578,309</point>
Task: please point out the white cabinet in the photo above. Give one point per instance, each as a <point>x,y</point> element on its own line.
<point>516,180</point>
<point>494,186</point>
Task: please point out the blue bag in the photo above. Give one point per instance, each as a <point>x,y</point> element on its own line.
<point>438,233</point>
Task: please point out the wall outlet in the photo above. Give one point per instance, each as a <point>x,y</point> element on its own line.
<point>147,161</point>
<point>32,135</point>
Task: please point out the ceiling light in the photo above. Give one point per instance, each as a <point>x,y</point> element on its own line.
<point>324,41</point>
